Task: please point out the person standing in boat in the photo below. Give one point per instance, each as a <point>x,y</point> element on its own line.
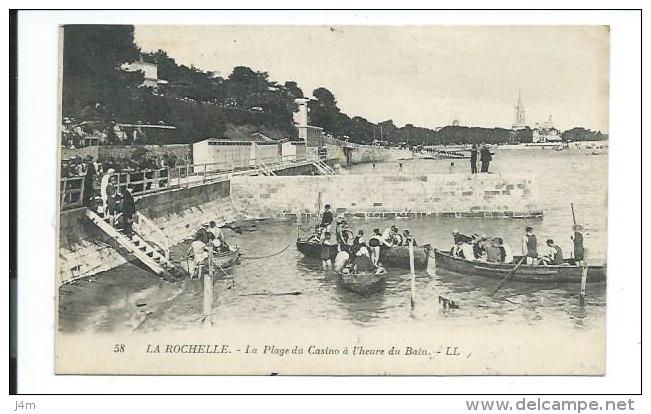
<point>326,244</point>
<point>197,252</point>
<point>374,243</point>
<point>473,159</point>
<point>340,228</point>
<point>554,255</point>
<point>530,246</point>
<point>577,239</point>
<point>327,218</point>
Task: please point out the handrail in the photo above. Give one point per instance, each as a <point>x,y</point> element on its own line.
<point>182,176</point>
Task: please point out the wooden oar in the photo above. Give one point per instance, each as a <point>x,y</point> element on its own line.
<point>509,276</point>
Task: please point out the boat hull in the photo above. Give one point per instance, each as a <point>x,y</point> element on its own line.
<point>394,257</point>
<point>567,273</point>
<point>364,284</point>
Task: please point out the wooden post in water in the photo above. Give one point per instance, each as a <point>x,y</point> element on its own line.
<point>207,292</point>
<point>413,273</point>
<point>584,277</point>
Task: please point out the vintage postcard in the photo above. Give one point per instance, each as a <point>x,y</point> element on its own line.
<point>332,200</point>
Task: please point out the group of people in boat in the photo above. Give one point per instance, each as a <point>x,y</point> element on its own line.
<point>481,248</point>
<point>206,239</point>
<point>354,253</point>
<point>494,249</point>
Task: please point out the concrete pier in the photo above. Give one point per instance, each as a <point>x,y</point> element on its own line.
<point>453,195</point>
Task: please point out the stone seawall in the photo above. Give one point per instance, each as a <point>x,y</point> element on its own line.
<point>458,195</point>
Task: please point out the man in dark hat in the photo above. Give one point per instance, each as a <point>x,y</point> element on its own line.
<point>89,180</point>
<point>485,157</point>
<point>128,210</point>
<point>473,159</point>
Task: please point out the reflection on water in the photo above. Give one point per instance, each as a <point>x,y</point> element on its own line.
<point>129,298</point>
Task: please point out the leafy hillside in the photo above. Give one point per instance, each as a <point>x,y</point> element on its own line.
<point>201,104</point>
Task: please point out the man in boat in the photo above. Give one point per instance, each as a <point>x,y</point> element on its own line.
<point>374,243</point>
<point>358,241</point>
<point>506,256</point>
<point>554,255</point>
<point>460,238</point>
<point>326,243</point>
<point>197,252</point>
<point>218,239</point>
<point>396,237</point>
<point>493,252</point>
<point>466,251</point>
<point>408,238</point>
<point>362,262</point>
<point>530,246</point>
<point>327,218</point>
<point>480,245</point>
<point>577,239</point>
<point>316,236</point>
<point>341,260</point>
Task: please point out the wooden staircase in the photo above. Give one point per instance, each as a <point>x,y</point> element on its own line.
<point>155,257</point>
<point>322,167</point>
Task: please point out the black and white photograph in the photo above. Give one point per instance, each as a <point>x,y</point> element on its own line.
<point>332,199</point>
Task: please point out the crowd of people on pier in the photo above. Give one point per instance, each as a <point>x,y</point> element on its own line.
<point>493,249</point>
<point>355,253</point>
<point>144,172</point>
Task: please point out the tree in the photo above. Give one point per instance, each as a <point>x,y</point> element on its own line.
<point>324,112</point>
<point>93,56</point>
<point>293,89</point>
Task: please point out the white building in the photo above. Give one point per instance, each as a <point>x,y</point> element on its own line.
<point>150,70</point>
<point>546,133</point>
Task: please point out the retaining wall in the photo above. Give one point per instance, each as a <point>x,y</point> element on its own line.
<point>459,195</point>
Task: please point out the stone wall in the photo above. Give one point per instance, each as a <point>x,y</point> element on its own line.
<point>459,195</point>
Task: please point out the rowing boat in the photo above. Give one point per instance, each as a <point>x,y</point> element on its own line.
<point>226,259</point>
<point>362,283</point>
<point>569,272</point>
<point>397,256</point>
<point>220,261</point>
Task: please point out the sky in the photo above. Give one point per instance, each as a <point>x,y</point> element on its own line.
<point>424,75</point>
